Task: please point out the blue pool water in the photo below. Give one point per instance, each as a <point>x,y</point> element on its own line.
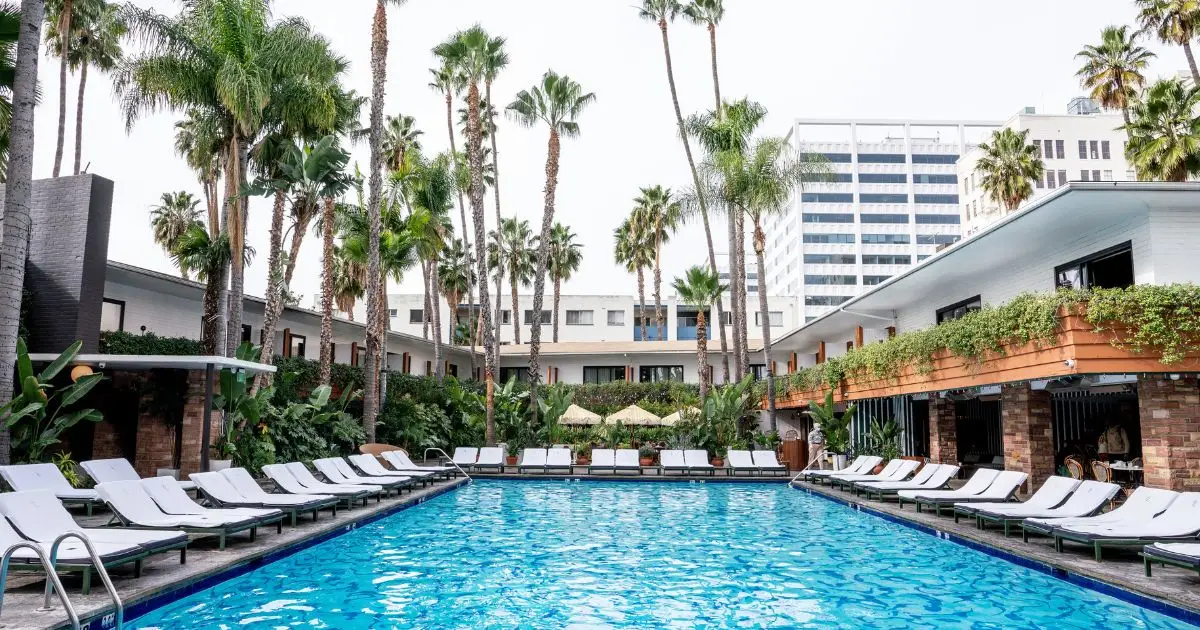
<point>554,554</point>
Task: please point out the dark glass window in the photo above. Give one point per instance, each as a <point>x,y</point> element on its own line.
<point>298,344</point>
<point>825,300</point>
<point>827,197</point>
<point>921,257</point>
<point>528,315</point>
<point>874,280</point>
<point>826,279</point>
<point>1110,269</point>
<point>660,373</point>
<point>1050,180</point>
<point>813,217</point>
<point>881,158</point>
<point>112,314</point>
<point>1083,175</point>
<point>937,239</point>
<point>1104,150</point>
<point>829,259</point>
<point>1094,145</point>
<point>1095,176</point>
<point>883,198</point>
<point>1083,149</point>
<point>246,333</point>
<point>521,374</point>
<point>920,178</point>
<point>950,199</point>
<point>1049,152</point>
<point>935,159</point>
<point>938,219</point>
<point>416,316</point>
<point>828,238</point>
<point>955,311</point>
<point>886,259</point>
<point>882,178</point>
<point>1060,149</point>
<point>884,218</point>
<point>837,158</point>
<point>842,178</point>
<point>885,239</point>
<point>603,374</point>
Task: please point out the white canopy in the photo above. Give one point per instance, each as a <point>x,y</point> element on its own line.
<point>578,415</point>
<point>670,420</point>
<point>634,415</point>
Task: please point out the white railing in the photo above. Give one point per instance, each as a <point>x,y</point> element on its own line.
<point>449,459</point>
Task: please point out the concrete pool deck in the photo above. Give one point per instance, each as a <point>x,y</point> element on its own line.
<point>1122,567</point>
<point>163,574</point>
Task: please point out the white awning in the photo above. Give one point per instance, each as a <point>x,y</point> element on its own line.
<point>157,361</point>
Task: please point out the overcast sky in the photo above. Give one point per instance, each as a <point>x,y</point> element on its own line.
<point>923,59</point>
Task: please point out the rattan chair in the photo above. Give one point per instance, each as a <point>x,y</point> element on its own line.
<point>1074,468</point>
<point>1101,471</point>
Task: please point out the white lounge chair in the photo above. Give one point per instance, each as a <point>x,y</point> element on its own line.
<point>741,461</point>
<point>287,482</point>
<point>1053,492</point>
<point>25,477</point>
<point>532,459</point>
<point>336,470</point>
<point>371,467</point>
<point>697,461</point>
<point>303,475</point>
<point>862,465</point>
<point>1144,504</point>
<point>134,507</point>
<point>558,459</point>
<point>980,480</point>
<point>1087,499</point>
<point>603,459</point>
<point>118,469</point>
<point>626,460</point>
<point>895,470</point>
<point>72,555</point>
<point>400,461</point>
<point>172,499</point>
<point>244,482</point>
<point>671,460</point>
<point>490,458</point>
<point>1179,522</point>
<point>218,490</point>
<point>1184,555</point>
<point>1003,487</point>
<point>768,462</point>
<point>930,477</point>
<point>464,456</point>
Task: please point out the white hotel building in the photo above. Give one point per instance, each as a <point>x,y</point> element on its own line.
<point>895,202</point>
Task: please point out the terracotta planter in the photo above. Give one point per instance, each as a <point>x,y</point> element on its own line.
<point>718,462</point>
<point>511,460</point>
<point>646,461</point>
<point>877,469</point>
<point>582,461</point>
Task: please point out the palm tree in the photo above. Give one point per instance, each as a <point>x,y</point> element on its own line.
<point>18,193</point>
<point>200,141</point>
<point>565,257</point>
<point>456,277</point>
<point>95,41</point>
<point>1113,69</point>
<point>1164,135</point>
<point>495,59</point>
<point>174,214</point>
<point>1009,167</point>
<point>512,253</point>
<point>1174,22</point>
<point>208,256</point>
<point>349,280</point>
<point>10,25</point>
<point>557,101</point>
<point>400,134</point>
<point>61,16</point>
<point>432,198</point>
<point>635,252</point>
<point>334,181</point>
<point>700,287</point>
<point>659,216</point>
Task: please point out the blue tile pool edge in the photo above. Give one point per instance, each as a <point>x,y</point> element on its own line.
<point>1149,602</point>
<point>174,592</point>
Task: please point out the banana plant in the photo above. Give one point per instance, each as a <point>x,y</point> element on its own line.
<point>38,415</point>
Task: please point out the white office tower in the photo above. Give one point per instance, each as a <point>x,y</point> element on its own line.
<point>1084,144</point>
<point>894,201</point>
<point>750,277</point>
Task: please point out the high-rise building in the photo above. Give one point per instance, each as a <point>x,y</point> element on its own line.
<point>894,200</point>
<point>1083,145</point>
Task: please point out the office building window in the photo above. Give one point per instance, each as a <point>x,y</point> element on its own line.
<point>884,218</point>
<point>836,158</point>
<point>1107,176</point>
<point>1083,149</point>
<point>882,178</point>
<point>810,217</point>
<point>825,300</point>
<point>935,159</point>
<point>505,317</point>
<point>1049,152</point>
<point>959,309</point>
<point>776,318</point>
<point>616,318</point>
<point>1050,180</point>
<point>921,257</point>
<point>873,280</point>
<point>885,239</point>
<point>937,239</point>
<point>393,312</point>
<point>938,219</point>
<point>882,198</point>
<point>1104,150</point>
<point>829,259</point>
<point>417,316</point>
<point>841,178</point>
<point>298,344</point>
<point>1060,149</point>
<point>660,373</point>
<point>1062,178</point>
<point>112,315</point>
<point>1083,175</point>
<point>829,279</point>
<point>246,332</point>
<point>920,178</point>
<point>949,199</point>
<point>579,318</point>
<point>827,197</point>
<point>1111,268</point>
<point>881,158</point>
<point>529,316</point>
<point>828,238</point>
<point>603,374</point>
<point>886,259</point>
<point>1095,149</point>
<point>1095,176</point>
<point>521,374</point>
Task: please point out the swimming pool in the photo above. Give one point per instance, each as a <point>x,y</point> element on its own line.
<point>555,554</point>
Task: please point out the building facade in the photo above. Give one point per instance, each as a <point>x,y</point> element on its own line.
<point>1081,146</point>
<point>893,202</point>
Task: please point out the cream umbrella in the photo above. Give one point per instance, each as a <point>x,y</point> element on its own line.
<point>634,415</point>
<point>669,421</point>
<point>577,415</point>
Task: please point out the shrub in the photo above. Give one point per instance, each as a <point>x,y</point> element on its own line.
<point>121,342</point>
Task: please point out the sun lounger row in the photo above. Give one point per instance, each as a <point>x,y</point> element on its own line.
<point>863,464</point>
<point>479,459</point>
<point>614,461</point>
<point>754,462</point>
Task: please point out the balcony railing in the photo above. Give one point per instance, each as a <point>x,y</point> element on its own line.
<point>689,332</point>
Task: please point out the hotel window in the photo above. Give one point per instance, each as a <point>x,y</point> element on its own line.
<point>579,318</point>
<point>946,199</point>
<point>596,375</point>
<point>112,315</point>
<point>1095,176</point>
<point>882,178</point>
<point>827,197</point>
<point>1062,178</point>
<point>298,344</point>
<point>1037,144</point>
<point>960,309</point>
<point>809,217</point>
<point>1083,149</point>
<point>776,318</point>
<point>393,312</point>
<point>885,239</point>
<point>825,300</point>
<point>529,316</point>
<point>246,331</point>
<point>1083,175</point>
<point>937,239</point>
<point>883,218</point>
<point>1038,183</point>
<point>938,219</point>
<point>505,316</point>
<point>1060,149</point>
<point>871,281</point>
<point>1095,149</point>
<point>416,316</point>
<point>616,318</point>
<point>1111,268</point>
<point>519,373</point>
<point>660,373</point>
<point>886,259</point>
<point>881,158</point>
<point>829,238</point>
<point>1104,150</point>
<point>759,370</point>
<point>826,279</point>
<point>829,259</point>
<point>837,158</point>
<point>920,178</point>
<point>882,198</point>
<point>1050,180</point>
<point>1107,175</point>
<point>935,159</point>
<point>1049,152</point>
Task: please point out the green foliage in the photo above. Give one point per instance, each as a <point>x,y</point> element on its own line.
<point>68,467</point>
<point>318,427</point>
<point>1144,318</point>
<point>37,415</point>
<point>836,428</point>
<point>121,342</point>
<point>552,406</point>
<point>660,399</point>
<point>647,451</point>
<point>243,413</point>
<point>883,439</point>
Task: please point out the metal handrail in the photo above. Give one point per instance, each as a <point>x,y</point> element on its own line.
<point>100,570</point>
<point>809,465</point>
<point>451,459</point>
<point>51,578</point>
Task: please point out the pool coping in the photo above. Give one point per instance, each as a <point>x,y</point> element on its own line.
<point>1174,610</point>
<point>153,600</point>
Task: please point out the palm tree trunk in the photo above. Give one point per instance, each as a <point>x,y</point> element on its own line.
<point>557,293</point>
<point>326,368</point>
<point>736,278</point>
<point>273,308</point>
<point>298,232</point>
<point>83,72</point>
<point>687,149</point>
<point>237,246</point>
<point>1187,51</point>
<point>760,245</point>
<point>425,312</point>
<point>434,283</point>
<point>516,314</point>
<point>658,317</point>
<point>642,301</point>
<point>487,93</point>
<point>737,342</point>
<point>539,272</point>
<point>18,195</point>
<point>702,353</point>
<point>379,48</point>
<point>490,344</point>
<point>65,35</point>
<point>743,297</point>
<point>499,301</point>
<point>712,47</point>
<point>462,215</point>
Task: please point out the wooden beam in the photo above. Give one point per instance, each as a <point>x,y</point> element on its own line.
<point>821,352</point>
<point>858,337</point>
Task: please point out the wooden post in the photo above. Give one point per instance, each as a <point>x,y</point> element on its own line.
<point>858,337</point>
<point>821,352</point>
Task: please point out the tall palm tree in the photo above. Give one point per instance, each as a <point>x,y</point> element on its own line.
<point>334,181</point>
<point>495,59</point>
<point>1174,22</point>
<point>10,26</point>
<point>1164,135</point>
<point>208,256</point>
<point>171,218</point>
<point>633,251</point>
<point>512,252</point>
<point>700,287</point>
<point>432,198</point>
<point>349,280</point>
<point>565,257</point>
<point>62,16</point>
<point>1009,166</point>
<point>94,42</point>
<point>200,141</point>
<point>456,277</point>
<point>400,135</point>
<point>662,12</point>
<point>18,193</point>
<point>659,216</point>
<point>556,101</point>
<point>1113,69</point>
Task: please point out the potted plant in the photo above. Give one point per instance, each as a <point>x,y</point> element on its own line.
<point>646,455</point>
<point>836,428</point>
<point>513,449</point>
<point>718,459</point>
<point>884,440</point>
<point>582,455</point>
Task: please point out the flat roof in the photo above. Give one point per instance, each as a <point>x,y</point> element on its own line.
<point>157,361</point>
<point>619,347</point>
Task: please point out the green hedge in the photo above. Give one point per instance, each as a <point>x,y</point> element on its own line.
<point>120,342</point>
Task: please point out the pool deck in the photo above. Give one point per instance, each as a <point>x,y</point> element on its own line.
<point>1122,567</point>
<point>162,574</point>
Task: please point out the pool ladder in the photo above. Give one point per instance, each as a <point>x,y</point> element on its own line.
<point>450,459</point>
<point>53,584</point>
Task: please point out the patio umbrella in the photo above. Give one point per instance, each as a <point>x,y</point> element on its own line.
<point>577,415</point>
<point>634,415</point>
<point>669,421</point>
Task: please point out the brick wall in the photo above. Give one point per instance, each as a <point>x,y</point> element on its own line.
<point>943,431</point>
<point>106,443</point>
<point>1170,416</point>
<point>156,441</point>
<point>1026,418</point>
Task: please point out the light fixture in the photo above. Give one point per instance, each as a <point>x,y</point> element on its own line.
<point>80,371</point>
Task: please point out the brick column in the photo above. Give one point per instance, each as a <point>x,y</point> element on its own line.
<point>1027,423</point>
<point>193,420</point>
<point>1170,417</point>
<point>106,444</point>
<point>943,431</point>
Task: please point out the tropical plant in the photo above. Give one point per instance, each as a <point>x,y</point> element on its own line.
<point>349,278</point>
<point>170,218</point>
<point>1173,22</point>
<point>836,428</point>
<point>1112,69</point>
<point>1164,133</point>
<point>69,468</point>
<point>400,135</point>
<point>722,410</point>
<point>62,16</point>
<point>633,250</point>
<point>242,411</point>
<point>700,287</point>
<point>658,216</point>
<point>1009,166</point>
<point>207,256</point>
<point>512,253</point>
<point>39,414</point>
<point>429,225</point>
<point>566,254</point>
<point>456,277</point>
<point>199,140</point>
<point>10,21</point>
<point>553,405</point>
<point>883,439</point>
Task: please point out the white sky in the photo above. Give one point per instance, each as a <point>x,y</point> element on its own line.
<point>970,59</point>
